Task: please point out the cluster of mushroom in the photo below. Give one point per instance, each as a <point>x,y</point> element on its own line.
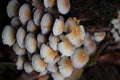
<point>47,44</point>
<point>116,28</point>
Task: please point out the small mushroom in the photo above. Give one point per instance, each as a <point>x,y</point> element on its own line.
<point>45,77</point>
<point>12,8</point>
<point>25,13</point>
<point>65,66</point>
<point>50,56</point>
<point>52,68</point>
<point>8,35</point>
<point>37,16</point>
<point>49,3</point>
<point>53,42</point>
<point>65,48</point>
<point>28,67</point>
<point>37,4</point>
<point>63,6</point>
<point>38,64</point>
<point>57,76</point>
<point>15,22</point>
<point>20,62</point>
<point>79,58</point>
<point>21,33</point>
<point>46,23</point>
<point>30,43</point>
<point>31,27</point>
<point>99,36</point>
<point>19,51</point>
<point>58,27</point>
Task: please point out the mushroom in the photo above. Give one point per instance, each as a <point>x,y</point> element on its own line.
<point>65,66</point>
<point>31,27</point>
<point>37,16</point>
<point>37,4</point>
<point>50,56</point>
<point>49,3</point>
<point>12,8</point>
<point>19,51</point>
<point>28,67</point>
<point>8,35</point>
<point>15,22</point>
<point>63,6</point>
<point>58,27</point>
<point>38,64</point>
<point>99,36</point>
<point>53,42</point>
<point>45,77</point>
<point>115,21</point>
<point>52,68</point>
<point>79,58</point>
<point>25,13</point>
<point>46,27</point>
<point>116,36</point>
<point>65,47</point>
<point>21,33</point>
<point>57,76</point>
<point>20,62</point>
<point>31,43</point>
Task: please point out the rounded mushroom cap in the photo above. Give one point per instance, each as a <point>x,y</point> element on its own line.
<point>63,6</point>
<point>21,33</point>
<point>15,22</point>
<point>52,68</point>
<point>49,3</point>
<point>45,77</point>
<point>31,27</point>
<point>80,58</point>
<point>30,43</point>
<point>38,64</point>
<point>28,67</point>
<point>50,56</point>
<point>45,28</point>
<point>8,35</point>
<point>58,27</point>
<point>12,8</point>
<point>19,51</point>
<point>20,62</point>
<point>37,4</point>
<point>65,66</point>
<point>99,36</point>
<point>25,13</point>
<point>57,76</point>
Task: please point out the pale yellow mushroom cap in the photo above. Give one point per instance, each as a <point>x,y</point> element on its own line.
<point>52,68</point>
<point>8,35</point>
<point>57,76</point>
<point>99,36</point>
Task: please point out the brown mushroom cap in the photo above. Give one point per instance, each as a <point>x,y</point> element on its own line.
<point>15,22</point>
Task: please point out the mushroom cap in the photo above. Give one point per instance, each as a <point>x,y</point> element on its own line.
<point>20,36</point>
<point>99,36</point>
<point>45,77</point>
<point>53,42</point>
<point>49,3</point>
<point>79,58</point>
<point>12,8</point>
<point>8,35</point>
<point>38,64</point>
<point>37,16</point>
<point>57,76</point>
<point>37,4</point>
<point>15,22</point>
<point>115,21</point>
<point>19,51</point>
<point>31,27</point>
<point>25,13</point>
<point>65,66</point>
<point>20,62</point>
<point>65,48</point>
<point>30,43</point>
<point>28,67</point>
<point>50,56</point>
<point>46,28</point>
<point>52,68</point>
<point>63,6</point>
<point>58,27</point>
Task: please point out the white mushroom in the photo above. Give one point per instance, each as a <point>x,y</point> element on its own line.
<point>28,67</point>
<point>65,66</point>
<point>49,3</point>
<point>12,8</point>
<point>46,23</point>
<point>50,56</point>
<point>20,62</point>
<point>115,21</point>
<point>37,16</point>
<point>99,36</point>
<point>53,42</point>
<point>15,22</point>
<point>57,76</point>
<point>31,43</point>
<point>58,27</point>
<point>63,6</point>
<point>65,48</point>
<point>8,35</point>
<point>31,27</point>
<point>21,33</point>
<point>38,64</point>
<point>52,68</point>
<point>25,13</point>
<point>19,51</point>
<point>79,58</point>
